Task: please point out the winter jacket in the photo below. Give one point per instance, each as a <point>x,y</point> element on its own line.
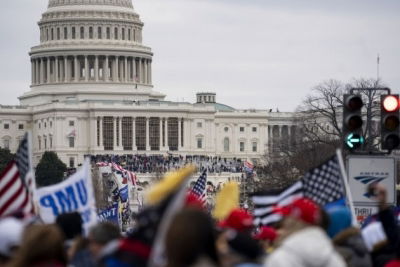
<point>383,255</point>
<point>309,247</point>
<point>350,245</point>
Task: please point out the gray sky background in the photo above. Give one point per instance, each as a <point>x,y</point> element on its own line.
<point>252,53</point>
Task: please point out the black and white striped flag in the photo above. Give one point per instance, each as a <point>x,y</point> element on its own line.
<point>323,185</point>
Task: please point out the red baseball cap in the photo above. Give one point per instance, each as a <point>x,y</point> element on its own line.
<point>303,209</point>
<point>266,233</point>
<point>238,219</point>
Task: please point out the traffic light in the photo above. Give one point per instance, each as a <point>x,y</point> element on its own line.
<point>390,122</point>
<point>352,121</point>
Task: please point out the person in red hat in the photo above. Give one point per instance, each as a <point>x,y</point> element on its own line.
<point>266,236</point>
<point>240,220</point>
<point>235,244</point>
<point>301,241</point>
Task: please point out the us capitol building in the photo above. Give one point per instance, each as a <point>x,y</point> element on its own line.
<point>92,93</point>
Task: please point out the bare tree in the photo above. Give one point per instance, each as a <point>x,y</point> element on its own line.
<point>319,133</point>
<point>321,111</point>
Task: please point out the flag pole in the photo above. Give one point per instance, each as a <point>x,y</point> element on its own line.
<point>346,187</point>
<point>33,188</point>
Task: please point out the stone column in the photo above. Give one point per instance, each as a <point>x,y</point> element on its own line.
<point>161,135</point>
<point>129,70</point>
<point>126,70</point>
<point>150,73</point>
<point>106,72</point>
<point>86,69</point>
<point>120,147</point>
<point>41,70</point>
<point>66,70</point>
<point>134,134</point>
<point>145,72</point>
<point>101,133</point>
<point>147,135</point>
<point>48,71</point>
<point>37,71</point>
<point>96,68</point>
<point>166,134</point>
<point>116,64</point>
<point>115,132</point>
<point>134,70</point>
<point>77,72</point>
<point>139,70</point>
<point>57,70</point>
<point>32,72</point>
<point>179,135</point>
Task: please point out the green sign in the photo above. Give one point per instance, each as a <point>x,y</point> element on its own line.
<point>354,140</point>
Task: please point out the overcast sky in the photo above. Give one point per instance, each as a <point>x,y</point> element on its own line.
<point>252,53</point>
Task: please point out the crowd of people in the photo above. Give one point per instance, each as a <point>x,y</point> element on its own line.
<point>307,236</point>
<point>162,164</point>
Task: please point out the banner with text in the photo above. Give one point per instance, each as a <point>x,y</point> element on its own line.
<point>110,214</point>
<point>73,194</point>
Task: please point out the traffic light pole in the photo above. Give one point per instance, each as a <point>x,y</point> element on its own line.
<point>352,138</point>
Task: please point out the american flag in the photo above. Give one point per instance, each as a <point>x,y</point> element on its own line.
<point>248,167</point>
<point>17,181</point>
<point>103,164</point>
<point>128,176</point>
<point>131,177</point>
<point>322,184</point>
<point>199,188</point>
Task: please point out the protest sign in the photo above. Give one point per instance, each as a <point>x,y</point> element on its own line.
<point>110,214</point>
<point>73,194</point>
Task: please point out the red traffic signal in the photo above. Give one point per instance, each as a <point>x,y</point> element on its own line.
<point>390,122</point>
<point>390,103</point>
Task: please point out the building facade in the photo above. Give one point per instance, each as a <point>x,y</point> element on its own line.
<point>92,93</point>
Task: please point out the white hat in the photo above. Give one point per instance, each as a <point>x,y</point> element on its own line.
<point>10,235</point>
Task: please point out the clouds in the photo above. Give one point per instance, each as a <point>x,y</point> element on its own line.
<point>252,53</point>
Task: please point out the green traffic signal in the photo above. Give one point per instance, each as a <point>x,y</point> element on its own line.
<point>354,140</point>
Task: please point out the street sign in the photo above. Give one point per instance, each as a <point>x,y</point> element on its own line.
<point>354,140</point>
<point>365,170</point>
<point>363,212</point>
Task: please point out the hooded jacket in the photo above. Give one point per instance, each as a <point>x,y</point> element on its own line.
<point>309,247</point>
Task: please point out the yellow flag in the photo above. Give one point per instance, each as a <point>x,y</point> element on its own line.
<point>226,201</point>
<point>168,184</point>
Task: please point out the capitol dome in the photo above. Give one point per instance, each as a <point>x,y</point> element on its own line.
<point>90,50</point>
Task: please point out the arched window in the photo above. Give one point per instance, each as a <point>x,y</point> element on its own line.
<point>52,34</point>
<point>82,33</point>
<point>116,33</point>
<point>226,144</point>
<point>47,34</point>
<point>73,33</point>
<point>108,33</point>
<point>99,33</point>
<point>65,33</point>
<point>129,34</point>
<point>123,34</point>
<point>90,32</point>
<point>58,34</point>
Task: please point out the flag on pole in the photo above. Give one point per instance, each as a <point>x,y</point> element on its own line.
<point>199,188</point>
<point>73,194</point>
<point>323,185</point>
<point>17,182</point>
<point>248,167</point>
<point>132,178</point>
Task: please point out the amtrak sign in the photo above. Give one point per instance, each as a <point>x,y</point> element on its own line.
<point>365,170</point>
